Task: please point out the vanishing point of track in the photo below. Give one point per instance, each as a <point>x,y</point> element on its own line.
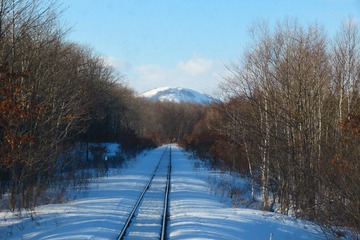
<point>148,218</point>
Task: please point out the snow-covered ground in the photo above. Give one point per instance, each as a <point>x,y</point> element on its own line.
<point>195,212</point>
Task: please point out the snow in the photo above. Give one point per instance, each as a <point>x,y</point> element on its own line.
<point>154,91</point>
<point>178,95</point>
<point>195,211</point>
<point>148,220</point>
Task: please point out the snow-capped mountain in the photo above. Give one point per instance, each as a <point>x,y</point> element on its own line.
<point>177,94</point>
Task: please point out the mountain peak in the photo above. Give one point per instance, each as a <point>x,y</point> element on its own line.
<point>176,94</point>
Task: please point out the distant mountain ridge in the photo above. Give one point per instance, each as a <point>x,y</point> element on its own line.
<point>176,94</point>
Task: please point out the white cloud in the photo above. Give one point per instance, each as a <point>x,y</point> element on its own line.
<point>118,64</point>
<point>151,72</point>
<point>196,73</point>
<point>195,65</point>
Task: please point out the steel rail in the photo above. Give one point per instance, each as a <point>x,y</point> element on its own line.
<point>166,202</point>
<point>128,221</point>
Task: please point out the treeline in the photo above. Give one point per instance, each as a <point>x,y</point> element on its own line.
<point>54,94</point>
<point>290,122</point>
<point>169,122</point>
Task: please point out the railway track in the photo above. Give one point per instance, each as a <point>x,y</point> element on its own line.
<point>148,218</point>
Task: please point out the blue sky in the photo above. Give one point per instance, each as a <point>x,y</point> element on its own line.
<point>185,43</point>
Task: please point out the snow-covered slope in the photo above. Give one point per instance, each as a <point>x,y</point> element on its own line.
<point>178,95</point>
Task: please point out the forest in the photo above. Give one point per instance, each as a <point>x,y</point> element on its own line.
<point>290,122</point>
<point>288,119</point>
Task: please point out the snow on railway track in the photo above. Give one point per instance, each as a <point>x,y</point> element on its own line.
<point>194,210</point>
<point>148,218</point>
